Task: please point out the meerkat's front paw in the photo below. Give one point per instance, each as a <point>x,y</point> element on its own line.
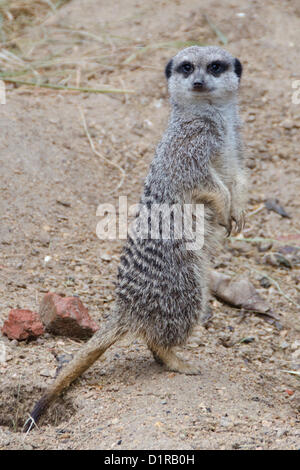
<point>239,218</point>
<point>226,222</point>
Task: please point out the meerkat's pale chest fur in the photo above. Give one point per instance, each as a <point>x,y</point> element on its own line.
<point>162,287</point>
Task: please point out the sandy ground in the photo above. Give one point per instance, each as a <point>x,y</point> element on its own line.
<point>51,185</point>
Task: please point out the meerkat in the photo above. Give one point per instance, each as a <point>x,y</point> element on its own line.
<point>162,288</point>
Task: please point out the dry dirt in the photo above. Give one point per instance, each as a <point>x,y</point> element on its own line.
<point>51,184</point>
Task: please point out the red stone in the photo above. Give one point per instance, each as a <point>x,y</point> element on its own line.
<point>66,316</point>
<point>22,324</point>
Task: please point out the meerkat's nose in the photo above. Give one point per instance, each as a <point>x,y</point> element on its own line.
<point>198,85</point>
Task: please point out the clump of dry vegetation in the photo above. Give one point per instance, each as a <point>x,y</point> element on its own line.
<point>29,55</point>
<point>15,15</point>
<point>67,59</point>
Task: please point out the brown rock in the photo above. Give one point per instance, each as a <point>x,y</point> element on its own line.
<point>22,324</point>
<point>66,316</point>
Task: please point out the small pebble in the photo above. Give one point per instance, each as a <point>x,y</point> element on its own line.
<point>265,282</point>
<point>47,259</point>
<point>295,345</point>
<point>47,373</point>
<point>225,422</point>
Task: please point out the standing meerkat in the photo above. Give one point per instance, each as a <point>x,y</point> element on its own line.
<point>162,287</point>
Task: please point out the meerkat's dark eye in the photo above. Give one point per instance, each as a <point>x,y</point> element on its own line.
<point>186,68</point>
<point>217,67</point>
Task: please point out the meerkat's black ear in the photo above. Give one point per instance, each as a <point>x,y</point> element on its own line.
<point>238,68</point>
<point>168,69</point>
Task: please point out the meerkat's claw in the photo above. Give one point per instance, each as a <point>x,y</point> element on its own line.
<point>239,223</point>
<point>228,227</point>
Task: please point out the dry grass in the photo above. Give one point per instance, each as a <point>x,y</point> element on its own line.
<point>15,15</point>
<point>30,56</point>
<point>66,59</point>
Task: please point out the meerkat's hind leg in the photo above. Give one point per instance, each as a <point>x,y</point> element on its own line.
<point>156,357</point>
<point>172,362</point>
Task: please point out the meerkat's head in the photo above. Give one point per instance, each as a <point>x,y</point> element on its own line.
<point>203,74</point>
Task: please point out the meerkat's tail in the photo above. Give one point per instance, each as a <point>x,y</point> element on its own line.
<point>105,337</point>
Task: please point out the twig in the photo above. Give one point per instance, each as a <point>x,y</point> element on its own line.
<point>109,162</point>
<point>287,297</point>
<point>175,44</point>
<point>82,33</point>
<point>258,240</point>
<point>292,372</point>
<point>217,32</point>
<point>65,88</point>
<point>259,209</point>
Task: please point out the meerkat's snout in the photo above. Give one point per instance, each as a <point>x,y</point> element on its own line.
<point>198,85</point>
